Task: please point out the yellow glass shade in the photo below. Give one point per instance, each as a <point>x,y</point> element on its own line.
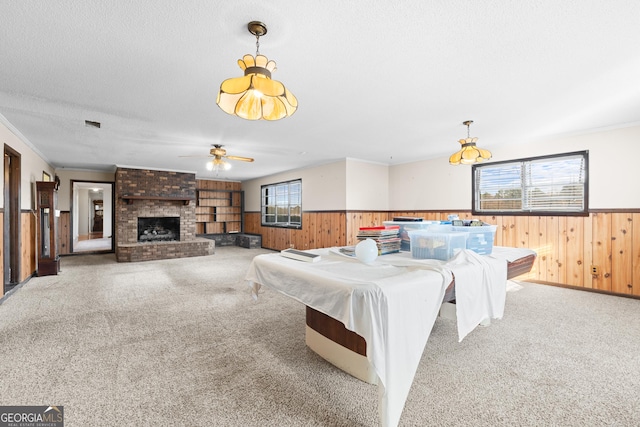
<point>255,96</point>
<point>469,153</point>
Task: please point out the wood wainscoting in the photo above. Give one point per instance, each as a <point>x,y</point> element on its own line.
<point>28,244</point>
<point>567,246</point>
<point>64,233</point>
<point>319,230</point>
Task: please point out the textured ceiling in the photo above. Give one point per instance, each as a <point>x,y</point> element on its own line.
<point>387,82</point>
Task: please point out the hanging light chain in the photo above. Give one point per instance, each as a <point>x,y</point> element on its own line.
<point>258,29</point>
<point>468,124</point>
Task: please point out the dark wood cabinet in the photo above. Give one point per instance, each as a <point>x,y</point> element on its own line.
<point>97,216</point>
<point>46,205</point>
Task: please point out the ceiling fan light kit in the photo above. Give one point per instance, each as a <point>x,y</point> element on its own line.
<point>219,159</point>
<point>218,165</point>
<point>255,96</point>
<point>469,153</point>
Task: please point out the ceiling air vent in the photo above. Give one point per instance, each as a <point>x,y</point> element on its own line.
<point>89,123</point>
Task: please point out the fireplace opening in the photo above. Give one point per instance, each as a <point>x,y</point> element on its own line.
<point>158,229</point>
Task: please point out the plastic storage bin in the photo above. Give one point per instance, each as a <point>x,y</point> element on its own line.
<point>439,242</point>
<point>480,239</point>
<point>406,226</point>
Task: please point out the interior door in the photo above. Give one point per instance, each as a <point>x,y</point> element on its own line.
<point>93,215</point>
<point>11,223</point>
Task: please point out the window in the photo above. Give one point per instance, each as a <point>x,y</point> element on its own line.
<point>548,185</point>
<point>282,204</point>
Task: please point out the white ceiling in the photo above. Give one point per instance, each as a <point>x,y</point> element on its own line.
<point>381,81</point>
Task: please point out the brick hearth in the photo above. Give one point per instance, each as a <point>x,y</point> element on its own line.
<point>150,193</point>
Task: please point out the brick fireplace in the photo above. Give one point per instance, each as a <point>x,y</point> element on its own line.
<point>151,194</point>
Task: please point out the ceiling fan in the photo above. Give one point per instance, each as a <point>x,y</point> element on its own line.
<point>219,155</point>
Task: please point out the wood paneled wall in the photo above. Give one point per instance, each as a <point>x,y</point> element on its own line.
<point>28,245</point>
<point>64,233</point>
<point>319,230</point>
<point>209,184</point>
<point>567,247</point>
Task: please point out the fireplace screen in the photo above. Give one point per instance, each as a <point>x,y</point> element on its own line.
<point>158,229</point>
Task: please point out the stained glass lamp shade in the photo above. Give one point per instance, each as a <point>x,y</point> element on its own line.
<point>255,96</point>
<point>469,153</point>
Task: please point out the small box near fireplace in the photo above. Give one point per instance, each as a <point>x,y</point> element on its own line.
<point>249,241</point>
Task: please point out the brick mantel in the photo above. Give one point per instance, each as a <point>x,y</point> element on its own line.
<point>129,199</point>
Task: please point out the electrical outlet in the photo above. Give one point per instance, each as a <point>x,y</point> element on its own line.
<point>595,270</point>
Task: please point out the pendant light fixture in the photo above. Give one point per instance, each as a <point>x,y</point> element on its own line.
<point>469,153</point>
<point>255,96</point>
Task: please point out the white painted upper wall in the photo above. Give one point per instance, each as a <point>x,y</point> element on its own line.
<point>429,184</point>
<point>367,186</point>
<point>344,185</point>
<point>613,166</point>
<point>323,187</point>
<point>67,175</point>
<point>31,165</point>
<point>613,171</point>
<point>436,185</point>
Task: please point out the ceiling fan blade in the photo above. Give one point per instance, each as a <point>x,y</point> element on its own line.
<point>242,159</point>
<point>198,155</point>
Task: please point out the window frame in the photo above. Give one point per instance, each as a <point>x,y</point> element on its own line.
<point>531,212</point>
<point>264,206</point>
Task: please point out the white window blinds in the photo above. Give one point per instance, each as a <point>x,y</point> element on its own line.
<point>550,184</point>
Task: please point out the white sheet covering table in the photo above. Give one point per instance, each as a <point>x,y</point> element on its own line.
<point>392,303</point>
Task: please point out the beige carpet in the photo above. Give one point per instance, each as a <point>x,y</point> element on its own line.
<point>181,343</point>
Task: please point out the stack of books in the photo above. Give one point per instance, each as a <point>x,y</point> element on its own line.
<point>387,237</point>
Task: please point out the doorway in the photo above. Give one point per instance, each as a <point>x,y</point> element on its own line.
<point>91,219</point>
<point>11,223</point>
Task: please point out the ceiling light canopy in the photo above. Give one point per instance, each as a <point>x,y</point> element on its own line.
<point>469,153</point>
<point>255,96</point>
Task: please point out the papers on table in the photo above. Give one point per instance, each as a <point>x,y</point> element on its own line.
<point>300,255</point>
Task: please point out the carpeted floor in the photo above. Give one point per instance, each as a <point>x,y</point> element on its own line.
<point>182,343</point>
